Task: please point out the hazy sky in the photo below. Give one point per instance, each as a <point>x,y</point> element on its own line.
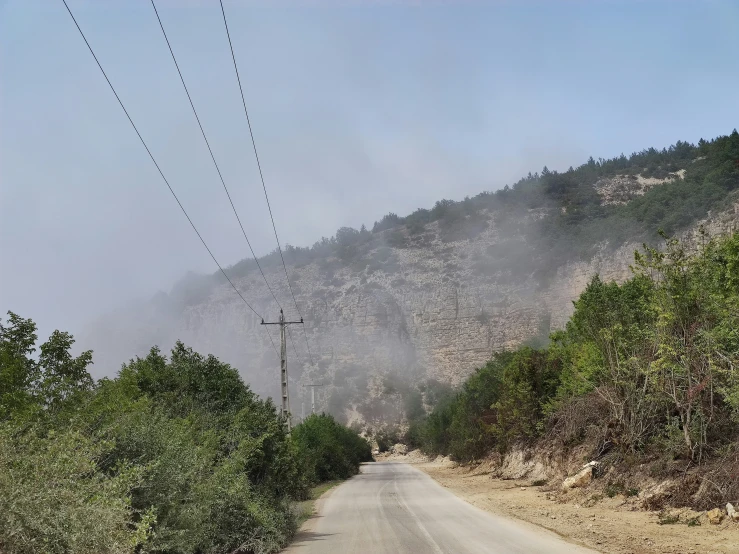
<point>359,108</point>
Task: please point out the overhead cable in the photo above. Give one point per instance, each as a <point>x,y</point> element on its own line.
<point>210,150</point>
<point>156,164</point>
<point>261,176</point>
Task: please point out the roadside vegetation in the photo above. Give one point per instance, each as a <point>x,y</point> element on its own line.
<point>645,372</point>
<point>175,454</point>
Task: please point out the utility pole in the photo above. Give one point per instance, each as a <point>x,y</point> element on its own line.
<point>313,396</point>
<point>285,410</point>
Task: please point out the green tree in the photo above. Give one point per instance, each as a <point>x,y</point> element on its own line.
<point>19,373</point>
<point>470,431</point>
<point>173,455</point>
<point>618,321</point>
<point>529,380</point>
<point>63,376</point>
<point>695,335</point>
<point>331,450</point>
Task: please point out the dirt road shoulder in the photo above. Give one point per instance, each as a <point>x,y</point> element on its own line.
<point>608,525</point>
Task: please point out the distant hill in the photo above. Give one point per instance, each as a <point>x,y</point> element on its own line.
<point>422,300</point>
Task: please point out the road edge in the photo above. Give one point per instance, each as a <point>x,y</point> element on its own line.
<point>311,521</point>
<point>533,526</point>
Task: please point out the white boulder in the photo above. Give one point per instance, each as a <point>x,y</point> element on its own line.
<point>581,478</point>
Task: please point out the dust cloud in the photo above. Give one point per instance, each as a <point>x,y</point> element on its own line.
<point>357,111</point>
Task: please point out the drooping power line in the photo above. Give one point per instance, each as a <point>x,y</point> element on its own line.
<point>210,150</point>
<point>156,164</point>
<point>218,169</point>
<point>261,177</point>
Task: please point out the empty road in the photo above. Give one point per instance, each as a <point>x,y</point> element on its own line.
<point>395,508</point>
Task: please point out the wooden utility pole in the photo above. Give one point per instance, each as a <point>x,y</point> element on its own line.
<point>285,410</point>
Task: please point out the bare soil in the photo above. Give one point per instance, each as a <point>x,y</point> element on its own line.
<point>610,525</point>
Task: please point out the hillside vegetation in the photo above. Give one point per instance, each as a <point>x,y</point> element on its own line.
<point>574,219</point>
<point>174,455</point>
<point>572,222</point>
<point>646,370</point>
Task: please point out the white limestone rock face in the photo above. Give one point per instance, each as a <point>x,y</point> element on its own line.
<point>397,316</point>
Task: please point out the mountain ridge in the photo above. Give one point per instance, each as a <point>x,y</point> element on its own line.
<point>430,296</point>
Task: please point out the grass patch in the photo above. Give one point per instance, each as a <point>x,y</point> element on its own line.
<point>306,508</point>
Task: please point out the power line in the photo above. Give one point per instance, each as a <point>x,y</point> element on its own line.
<point>261,177</point>
<point>274,346</point>
<point>210,150</point>
<point>290,334</point>
<point>218,169</point>
<point>161,173</point>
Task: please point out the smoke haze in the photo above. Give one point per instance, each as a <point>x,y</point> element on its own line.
<point>358,110</point>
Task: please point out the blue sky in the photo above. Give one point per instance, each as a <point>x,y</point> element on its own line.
<point>359,108</point>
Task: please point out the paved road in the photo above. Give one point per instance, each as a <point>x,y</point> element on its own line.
<point>395,508</point>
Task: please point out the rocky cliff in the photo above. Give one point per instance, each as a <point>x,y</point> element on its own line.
<point>392,310</point>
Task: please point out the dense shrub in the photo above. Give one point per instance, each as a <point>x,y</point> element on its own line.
<point>648,366</point>
<point>387,437</point>
<point>528,381</point>
<point>173,455</point>
<point>330,450</point>
<point>54,498</point>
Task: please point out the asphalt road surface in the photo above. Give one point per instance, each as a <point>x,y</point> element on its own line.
<point>395,508</point>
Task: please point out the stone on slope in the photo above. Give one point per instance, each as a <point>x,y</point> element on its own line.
<point>715,516</point>
<point>581,478</point>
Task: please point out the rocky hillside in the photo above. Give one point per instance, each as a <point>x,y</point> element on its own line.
<point>429,297</point>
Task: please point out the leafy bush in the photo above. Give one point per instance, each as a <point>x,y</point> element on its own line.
<point>529,379</point>
<point>331,451</point>
<point>644,367</point>
<point>54,497</point>
<point>173,455</point>
<point>388,437</point>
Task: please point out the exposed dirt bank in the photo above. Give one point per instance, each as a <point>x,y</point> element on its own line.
<point>610,525</point>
